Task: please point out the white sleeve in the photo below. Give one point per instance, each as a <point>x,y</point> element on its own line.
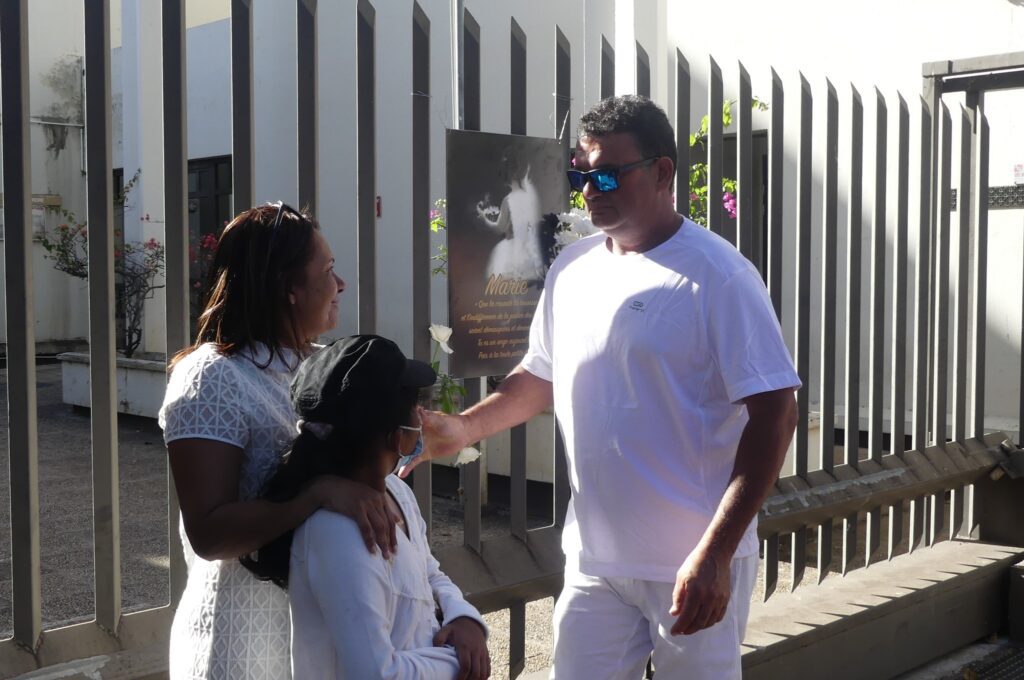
<point>204,401</point>
<point>353,590</point>
<point>745,339</point>
<point>538,357</point>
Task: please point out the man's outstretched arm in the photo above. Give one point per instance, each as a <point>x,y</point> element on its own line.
<point>520,396</point>
<point>703,583</point>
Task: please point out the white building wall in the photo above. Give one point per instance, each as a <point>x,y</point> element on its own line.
<point>55,53</point>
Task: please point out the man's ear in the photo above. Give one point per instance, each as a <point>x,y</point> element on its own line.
<point>666,172</point>
<point>291,297</point>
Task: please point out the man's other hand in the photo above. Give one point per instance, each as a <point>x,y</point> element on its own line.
<point>702,591</point>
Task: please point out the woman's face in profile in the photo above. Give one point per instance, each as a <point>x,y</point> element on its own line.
<point>315,300</point>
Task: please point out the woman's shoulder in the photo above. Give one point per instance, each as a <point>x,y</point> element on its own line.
<point>205,357</point>
<point>201,379</point>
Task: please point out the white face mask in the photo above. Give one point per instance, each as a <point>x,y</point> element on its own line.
<point>416,451</point>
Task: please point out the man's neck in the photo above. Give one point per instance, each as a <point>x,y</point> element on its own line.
<point>646,236</point>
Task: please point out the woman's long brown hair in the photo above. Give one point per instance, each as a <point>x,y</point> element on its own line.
<point>247,288</point>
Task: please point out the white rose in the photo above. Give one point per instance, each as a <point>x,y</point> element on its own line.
<point>440,334</point>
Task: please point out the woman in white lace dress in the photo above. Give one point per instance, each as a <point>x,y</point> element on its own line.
<point>226,418</point>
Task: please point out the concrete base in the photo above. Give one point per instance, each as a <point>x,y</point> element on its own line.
<point>884,620</point>
<point>1016,606</point>
<point>140,383</point>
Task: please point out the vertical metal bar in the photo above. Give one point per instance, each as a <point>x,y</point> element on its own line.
<point>936,508</point>
<point>21,342</point>
<point>961,427</point>
<point>827,396</point>
<point>771,565</point>
<point>562,488</point>
<point>941,254</point>
<point>366,163</point>
<point>306,102</point>
<point>849,542</point>
<point>876,347</point>
<point>517,491</point>
<point>922,327</point>
<point>805,179</point>
<point>682,134</point>
<point>714,146</point>
<point>977,426</point>
<point>922,339</point>
<point>471,482</point>
<point>854,229</point>
<point>931,93</point>
<point>776,152</point>
<point>420,104</point>
<point>517,79</point>
<point>898,379</point>
<point>421,135</point>
<point>898,399</point>
<point>747,237</point>
<point>961,291</point>
<point>242,141</point>
<point>805,170</point>
<point>102,352</point>
<point>956,512</point>
<point>516,639</point>
<point>175,232</point>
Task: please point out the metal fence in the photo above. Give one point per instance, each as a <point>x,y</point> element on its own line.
<point>509,571</point>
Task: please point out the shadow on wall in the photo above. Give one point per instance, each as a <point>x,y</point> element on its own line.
<point>1019,3</point>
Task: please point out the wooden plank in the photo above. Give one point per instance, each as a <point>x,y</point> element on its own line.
<point>939,600</point>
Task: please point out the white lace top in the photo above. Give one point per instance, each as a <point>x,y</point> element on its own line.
<point>228,624</point>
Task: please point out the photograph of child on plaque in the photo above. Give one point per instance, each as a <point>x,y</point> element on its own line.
<point>504,195</point>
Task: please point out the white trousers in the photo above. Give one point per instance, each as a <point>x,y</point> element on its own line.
<point>606,628</point>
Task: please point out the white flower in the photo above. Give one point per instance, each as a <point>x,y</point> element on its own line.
<point>440,334</point>
<point>577,221</point>
<point>466,455</point>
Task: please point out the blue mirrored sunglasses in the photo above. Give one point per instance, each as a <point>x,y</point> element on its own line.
<point>603,179</point>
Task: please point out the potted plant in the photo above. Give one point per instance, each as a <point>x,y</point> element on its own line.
<point>138,274</point>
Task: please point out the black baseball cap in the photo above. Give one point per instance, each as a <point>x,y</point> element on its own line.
<point>353,374</point>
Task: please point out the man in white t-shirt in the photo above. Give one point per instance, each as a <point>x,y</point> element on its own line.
<point>658,346</point>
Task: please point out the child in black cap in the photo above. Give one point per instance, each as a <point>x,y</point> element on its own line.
<point>355,614</point>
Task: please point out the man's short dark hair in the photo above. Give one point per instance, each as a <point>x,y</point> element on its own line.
<point>634,114</point>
